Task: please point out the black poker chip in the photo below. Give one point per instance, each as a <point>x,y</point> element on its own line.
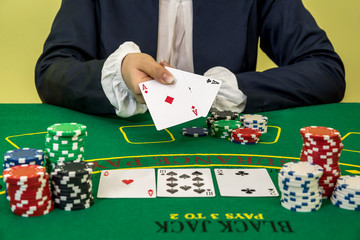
<point>195,132</point>
<point>73,169</point>
<point>224,115</point>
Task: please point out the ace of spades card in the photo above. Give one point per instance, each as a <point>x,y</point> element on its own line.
<point>127,183</point>
<point>236,182</point>
<point>196,182</point>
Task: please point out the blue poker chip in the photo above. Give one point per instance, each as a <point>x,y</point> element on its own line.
<point>195,132</point>
<point>23,155</point>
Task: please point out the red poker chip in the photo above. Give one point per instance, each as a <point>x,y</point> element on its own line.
<point>319,132</point>
<point>31,207</point>
<point>29,202</point>
<point>321,155</point>
<point>317,161</point>
<point>31,183</point>
<point>29,196</point>
<point>244,140</point>
<point>315,141</point>
<point>323,145</point>
<point>322,150</point>
<point>246,132</point>
<point>16,188</point>
<point>37,213</point>
<point>328,179</point>
<point>23,173</point>
<point>35,195</point>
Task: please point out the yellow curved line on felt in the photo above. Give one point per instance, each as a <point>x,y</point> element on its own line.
<point>346,135</point>
<point>277,136</point>
<point>148,125</point>
<point>20,135</point>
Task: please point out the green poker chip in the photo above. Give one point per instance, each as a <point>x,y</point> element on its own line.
<point>67,129</point>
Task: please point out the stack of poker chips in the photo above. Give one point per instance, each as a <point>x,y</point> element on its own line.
<point>322,146</point>
<point>195,132</point>
<point>220,115</point>
<point>21,156</point>
<point>254,121</point>
<point>245,136</point>
<point>28,190</point>
<point>347,193</point>
<point>72,185</point>
<point>298,183</point>
<point>224,128</point>
<point>64,142</point>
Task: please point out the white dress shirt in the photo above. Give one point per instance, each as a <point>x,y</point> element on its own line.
<point>175,47</point>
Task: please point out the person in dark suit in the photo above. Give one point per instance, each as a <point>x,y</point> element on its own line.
<point>99,50</point>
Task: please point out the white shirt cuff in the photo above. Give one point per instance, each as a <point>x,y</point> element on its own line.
<point>114,86</point>
<point>229,97</point>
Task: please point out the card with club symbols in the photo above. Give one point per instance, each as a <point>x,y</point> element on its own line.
<point>234,182</point>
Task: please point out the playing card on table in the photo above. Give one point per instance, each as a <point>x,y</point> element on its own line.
<point>131,183</point>
<point>245,183</point>
<point>204,89</point>
<point>196,182</point>
<point>169,105</point>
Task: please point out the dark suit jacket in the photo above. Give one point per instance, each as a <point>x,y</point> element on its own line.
<point>225,33</point>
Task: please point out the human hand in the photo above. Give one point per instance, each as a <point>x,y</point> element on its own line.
<point>140,67</point>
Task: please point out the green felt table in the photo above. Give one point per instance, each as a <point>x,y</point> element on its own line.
<point>115,143</point>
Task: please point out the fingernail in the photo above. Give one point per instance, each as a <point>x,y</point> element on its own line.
<point>168,78</point>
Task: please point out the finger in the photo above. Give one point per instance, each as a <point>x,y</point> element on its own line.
<point>165,64</point>
<point>156,71</point>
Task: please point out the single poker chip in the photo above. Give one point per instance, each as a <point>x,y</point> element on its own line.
<point>247,132</point>
<point>63,140</point>
<point>227,124</point>
<point>349,182</point>
<point>321,133</point>
<point>195,132</point>
<point>73,169</point>
<point>74,207</point>
<point>65,180</point>
<point>66,129</point>
<point>23,173</point>
<point>302,169</point>
<point>253,118</point>
<point>223,115</point>
<point>344,204</point>
<point>298,208</point>
<point>23,155</point>
<point>244,143</point>
<point>65,198</point>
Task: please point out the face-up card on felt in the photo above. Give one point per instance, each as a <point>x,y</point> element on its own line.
<point>196,182</point>
<point>203,88</point>
<point>131,183</point>
<point>169,105</point>
<point>245,183</point>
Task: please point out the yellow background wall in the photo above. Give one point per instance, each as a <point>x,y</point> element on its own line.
<point>24,26</point>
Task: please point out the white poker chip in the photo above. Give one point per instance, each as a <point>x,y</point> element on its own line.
<point>303,169</point>
<point>349,182</point>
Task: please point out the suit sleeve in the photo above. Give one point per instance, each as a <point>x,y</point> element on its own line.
<point>68,73</point>
<point>309,71</point>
